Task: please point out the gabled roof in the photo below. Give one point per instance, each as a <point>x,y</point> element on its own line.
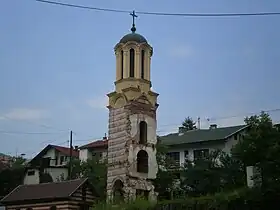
<point>95,144</point>
<point>63,150</point>
<point>43,191</point>
<point>66,150</point>
<point>201,135</point>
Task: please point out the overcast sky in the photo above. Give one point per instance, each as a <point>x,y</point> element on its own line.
<point>57,64</point>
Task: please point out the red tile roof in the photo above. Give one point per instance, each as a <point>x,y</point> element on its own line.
<point>96,144</point>
<point>43,191</point>
<point>66,150</point>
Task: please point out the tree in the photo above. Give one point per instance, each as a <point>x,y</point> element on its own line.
<point>212,174</point>
<point>164,183</point>
<point>260,147</point>
<point>10,178</point>
<point>188,124</point>
<point>95,170</point>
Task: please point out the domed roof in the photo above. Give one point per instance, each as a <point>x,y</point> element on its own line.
<point>133,37</point>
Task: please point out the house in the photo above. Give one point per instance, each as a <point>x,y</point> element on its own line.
<point>94,149</point>
<point>52,160</point>
<point>72,194</point>
<point>195,144</point>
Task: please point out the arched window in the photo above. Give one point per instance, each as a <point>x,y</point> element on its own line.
<point>53,208</point>
<point>143,132</point>
<point>142,162</point>
<point>118,194</point>
<point>122,64</point>
<point>142,63</point>
<point>131,69</point>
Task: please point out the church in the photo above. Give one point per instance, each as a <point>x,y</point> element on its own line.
<point>132,126</point>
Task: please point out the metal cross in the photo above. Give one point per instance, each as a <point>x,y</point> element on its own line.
<point>133,17</point>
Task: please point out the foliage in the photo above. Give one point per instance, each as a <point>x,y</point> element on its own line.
<point>188,124</point>
<point>164,183</point>
<point>45,177</point>
<point>18,162</point>
<point>241,199</point>
<point>10,178</point>
<point>95,170</point>
<point>215,173</point>
<point>261,147</point>
<point>137,204</point>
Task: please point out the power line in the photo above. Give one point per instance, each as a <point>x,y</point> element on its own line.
<point>26,133</point>
<point>162,13</point>
<point>32,123</point>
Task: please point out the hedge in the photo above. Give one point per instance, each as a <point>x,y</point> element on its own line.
<point>243,199</point>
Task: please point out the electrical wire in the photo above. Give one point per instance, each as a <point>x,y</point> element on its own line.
<point>162,13</point>
<point>32,123</point>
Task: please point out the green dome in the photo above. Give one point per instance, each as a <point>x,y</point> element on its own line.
<point>133,37</point>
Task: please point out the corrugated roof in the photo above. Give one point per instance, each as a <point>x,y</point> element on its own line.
<point>202,135</point>
<point>44,191</point>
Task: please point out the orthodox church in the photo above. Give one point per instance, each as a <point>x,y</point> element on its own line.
<point>132,126</point>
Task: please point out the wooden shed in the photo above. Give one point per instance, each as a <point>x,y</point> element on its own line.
<point>74,194</point>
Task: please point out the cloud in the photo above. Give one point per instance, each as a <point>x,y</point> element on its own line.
<point>181,51</point>
<point>25,114</point>
<point>99,102</point>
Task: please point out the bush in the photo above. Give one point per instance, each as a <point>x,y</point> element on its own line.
<point>243,199</point>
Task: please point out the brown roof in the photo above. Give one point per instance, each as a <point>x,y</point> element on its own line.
<point>66,150</point>
<point>43,191</point>
<point>96,144</point>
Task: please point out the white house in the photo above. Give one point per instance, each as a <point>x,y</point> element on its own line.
<point>198,143</point>
<point>51,160</point>
<point>97,148</point>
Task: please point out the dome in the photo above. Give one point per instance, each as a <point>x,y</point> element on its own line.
<point>133,37</point>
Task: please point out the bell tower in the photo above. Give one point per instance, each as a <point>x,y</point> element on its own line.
<point>132,128</point>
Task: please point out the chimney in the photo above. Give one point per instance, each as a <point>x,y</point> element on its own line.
<point>181,131</point>
<point>105,137</point>
<point>213,126</point>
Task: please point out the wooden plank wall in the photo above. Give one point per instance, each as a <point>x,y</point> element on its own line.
<point>60,205</point>
<point>84,193</point>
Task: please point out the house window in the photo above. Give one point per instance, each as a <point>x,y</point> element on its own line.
<point>142,162</point>
<point>122,64</point>
<point>31,173</point>
<point>235,136</point>
<point>131,69</point>
<point>175,157</point>
<point>97,154</point>
<point>186,154</point>
<point>201,153</point>
<point>61,160</point>
<point>53,208</point>
<point>143,132</point>
<point>142,63</point>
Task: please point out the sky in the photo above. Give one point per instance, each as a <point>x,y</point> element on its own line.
<point>57,64</point>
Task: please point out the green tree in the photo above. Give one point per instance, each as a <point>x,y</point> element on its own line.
<point>95,170</point>
<point>212,174</point>
<point>188,124</point>
<point>260,147</point>
<point>164,183</point>
<point>10,178</point>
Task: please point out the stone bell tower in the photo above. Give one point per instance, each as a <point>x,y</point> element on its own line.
<point>132,163</point>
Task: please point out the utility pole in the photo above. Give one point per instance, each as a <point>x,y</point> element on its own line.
<point>70,160</point>
<point>198,123</point>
